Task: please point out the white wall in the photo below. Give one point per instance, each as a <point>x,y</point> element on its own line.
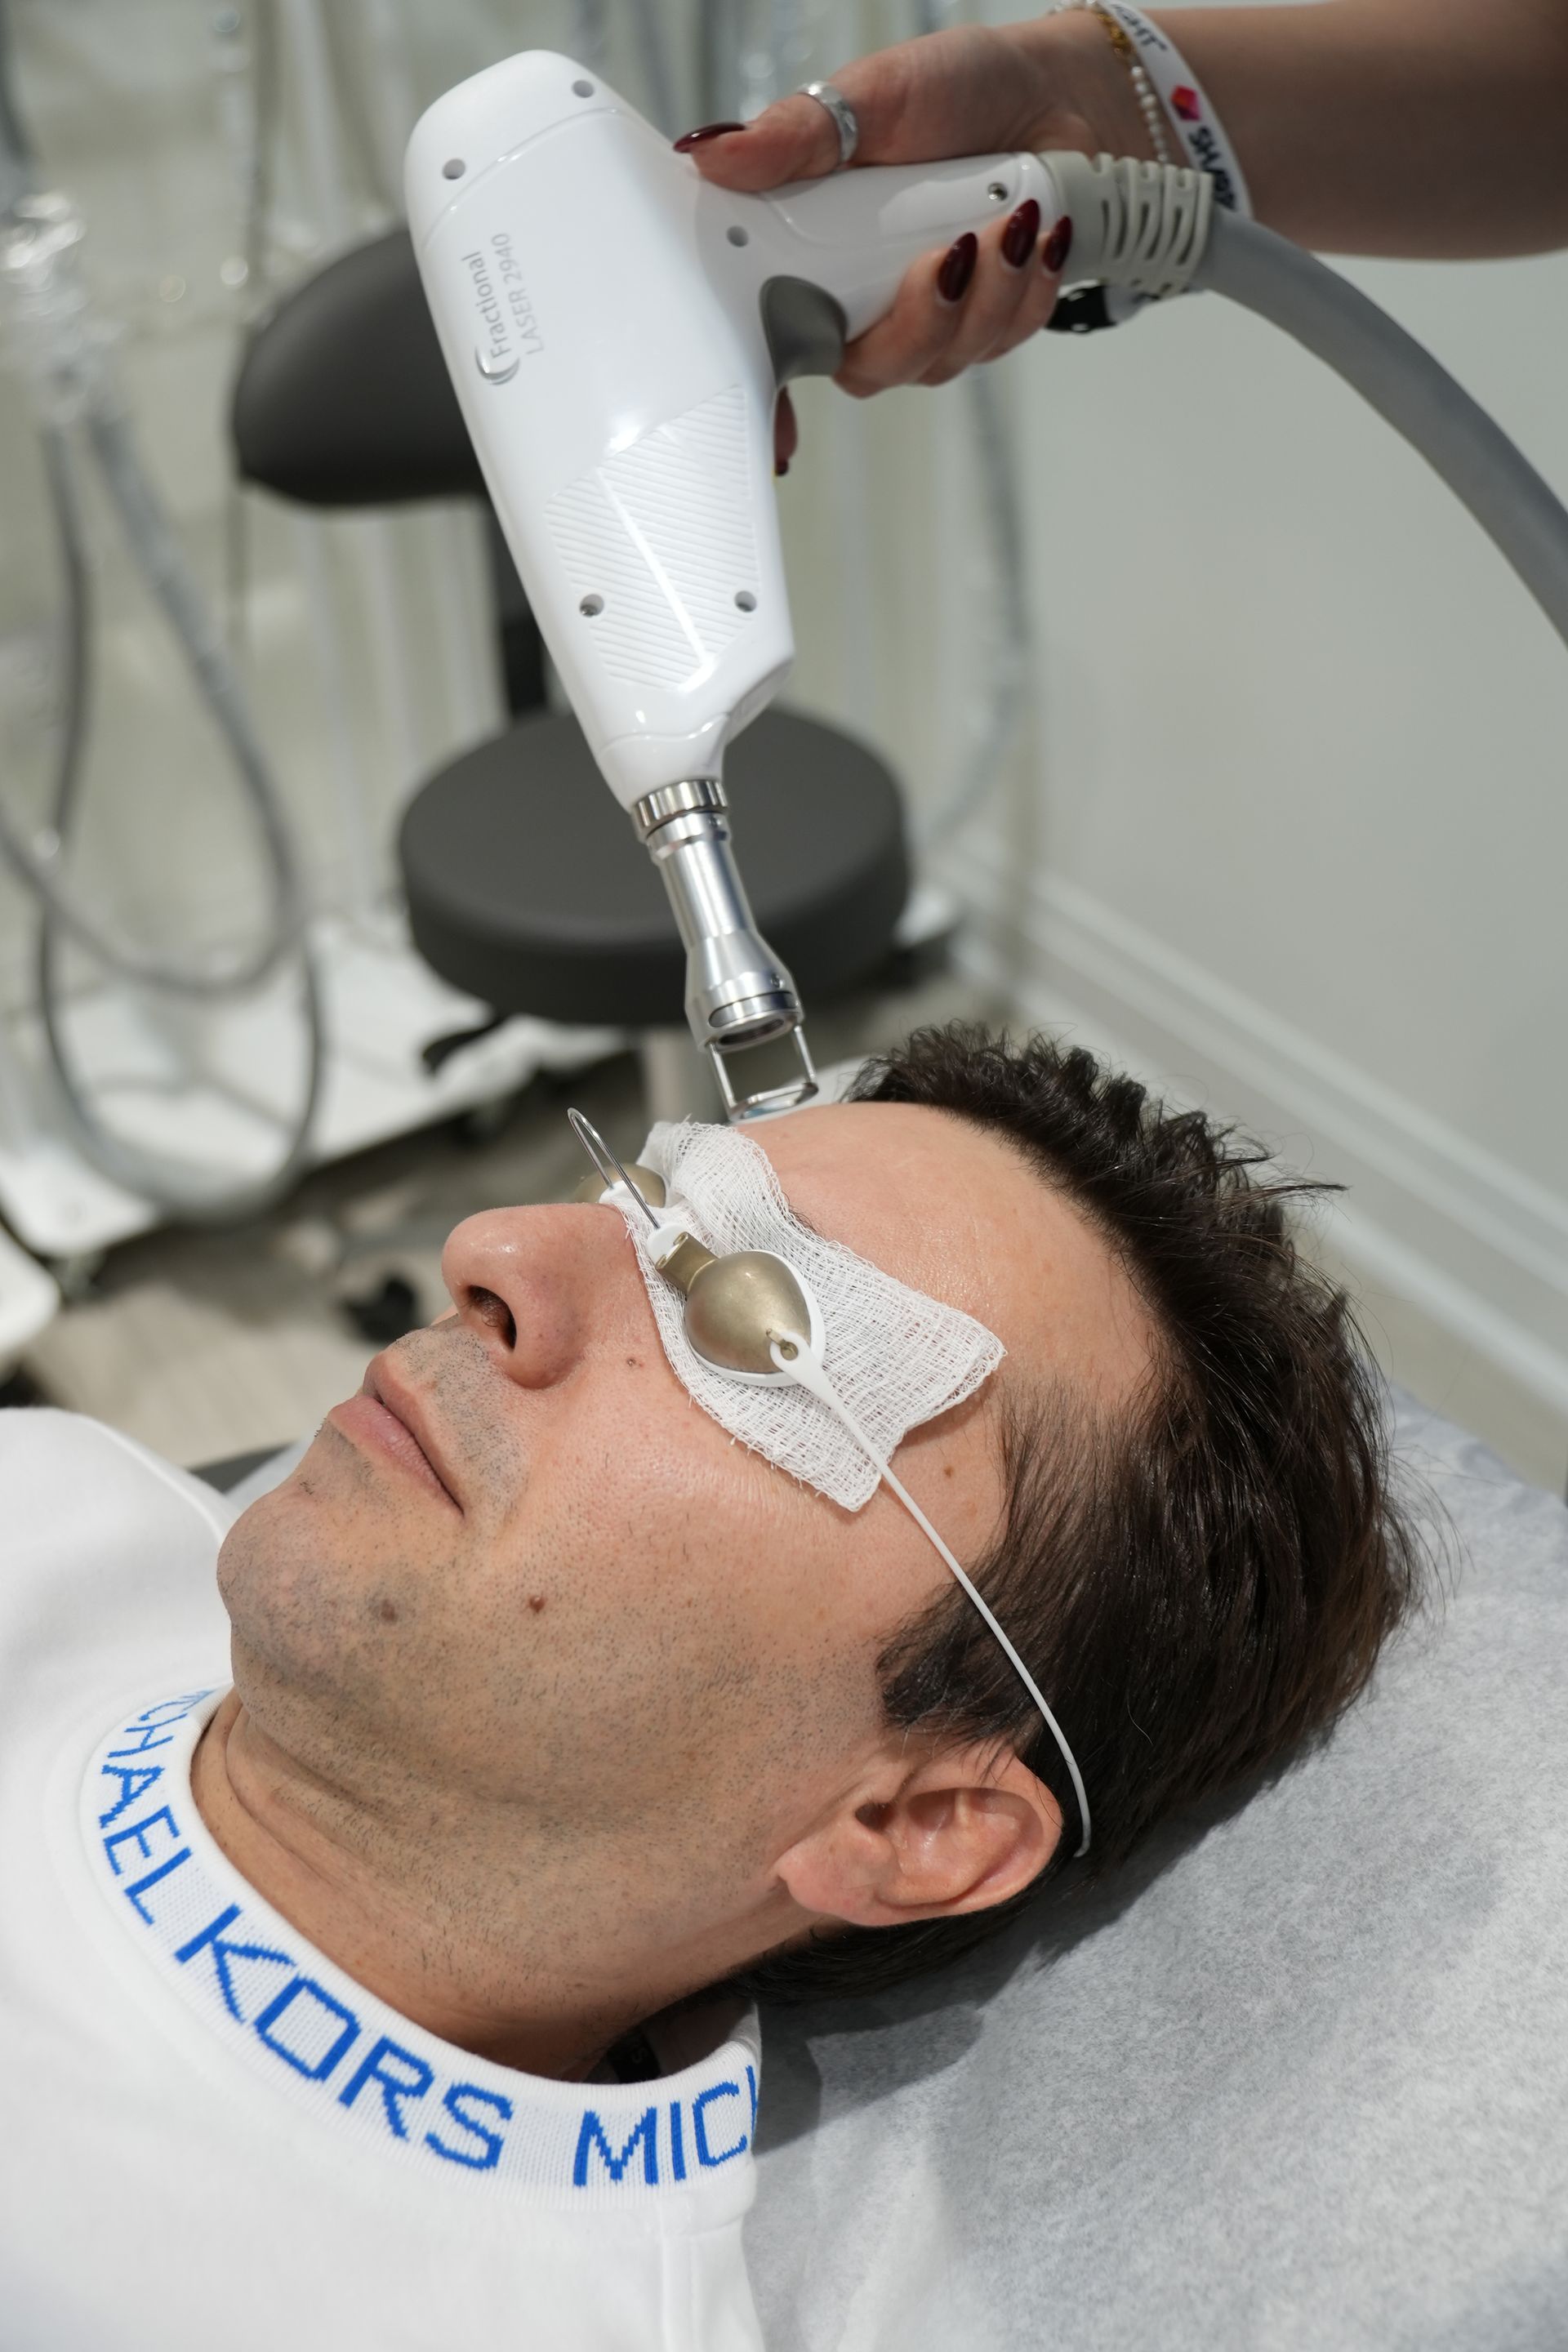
<point>1298,825</point>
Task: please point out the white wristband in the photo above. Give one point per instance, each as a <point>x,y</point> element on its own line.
<point>1198,126</point>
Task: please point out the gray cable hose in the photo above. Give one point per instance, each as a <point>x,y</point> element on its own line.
<point>1396,375</point>
<point>167,1183</point>
<point>163,564</point>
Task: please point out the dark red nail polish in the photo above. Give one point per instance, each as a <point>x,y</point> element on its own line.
<point>1057,245</point>
<point>1018,236</point>
<point>781,469</point>
<point>683,146</point>
<point>957,268</point>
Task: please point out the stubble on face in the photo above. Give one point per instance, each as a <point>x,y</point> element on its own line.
<point>581,1638</point>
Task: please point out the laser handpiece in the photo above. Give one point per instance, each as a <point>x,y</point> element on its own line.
<point>617,330</point>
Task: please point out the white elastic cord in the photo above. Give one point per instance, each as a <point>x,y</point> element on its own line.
<point>807,1369</point>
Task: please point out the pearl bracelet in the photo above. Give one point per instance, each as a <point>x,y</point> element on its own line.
<point>1143,88</point>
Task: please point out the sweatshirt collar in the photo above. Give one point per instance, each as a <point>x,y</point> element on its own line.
<point>319,2041</point>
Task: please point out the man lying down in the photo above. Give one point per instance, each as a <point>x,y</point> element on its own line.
<point>396,1993</point>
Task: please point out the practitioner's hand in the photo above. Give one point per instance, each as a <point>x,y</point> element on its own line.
<point>1056,82</point>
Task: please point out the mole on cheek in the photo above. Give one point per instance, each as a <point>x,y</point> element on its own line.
<point>633,1363</point>
<point>387,1612</point>
<point>536,1602</point>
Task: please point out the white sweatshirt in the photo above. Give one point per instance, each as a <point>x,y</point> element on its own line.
<point>208,2133</point>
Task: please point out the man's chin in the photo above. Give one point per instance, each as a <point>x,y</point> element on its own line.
<point>292,1579</point>
<point>267,1555</point>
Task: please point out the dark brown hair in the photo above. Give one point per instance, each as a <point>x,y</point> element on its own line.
<point>1197,1583</point>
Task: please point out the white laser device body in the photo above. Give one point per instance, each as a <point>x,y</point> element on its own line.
<point>617,330</point>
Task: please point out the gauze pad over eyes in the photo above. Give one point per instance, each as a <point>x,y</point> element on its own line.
<point>895,1357</point>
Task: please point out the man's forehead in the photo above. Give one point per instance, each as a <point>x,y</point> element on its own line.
<point>961,1213</point>
<point>924,1194</point>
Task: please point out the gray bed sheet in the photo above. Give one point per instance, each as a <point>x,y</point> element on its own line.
<point>1299,2077</point>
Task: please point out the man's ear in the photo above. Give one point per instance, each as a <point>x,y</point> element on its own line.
<point>962,1831</point>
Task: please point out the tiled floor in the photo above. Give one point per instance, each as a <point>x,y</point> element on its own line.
<point>205,1345</point>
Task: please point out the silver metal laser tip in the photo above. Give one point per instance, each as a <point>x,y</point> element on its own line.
<point>738,992</point>
<point>764,1100</point>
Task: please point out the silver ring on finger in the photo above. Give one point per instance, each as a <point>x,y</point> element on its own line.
<point>827,94</point>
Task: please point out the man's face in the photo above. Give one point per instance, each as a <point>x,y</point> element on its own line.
<point>545,1582</point>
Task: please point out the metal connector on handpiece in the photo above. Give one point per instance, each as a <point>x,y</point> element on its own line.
<point>738,993</point>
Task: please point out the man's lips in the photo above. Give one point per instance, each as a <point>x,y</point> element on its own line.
<point>385,1416</point>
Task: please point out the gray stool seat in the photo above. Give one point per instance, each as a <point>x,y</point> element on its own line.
<point>527,885</point>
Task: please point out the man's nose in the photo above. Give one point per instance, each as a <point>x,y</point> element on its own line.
<point>537,1286</point>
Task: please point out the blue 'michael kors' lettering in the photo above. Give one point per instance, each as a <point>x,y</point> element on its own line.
<point>308,2028</point>
<point>716,2138</point>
